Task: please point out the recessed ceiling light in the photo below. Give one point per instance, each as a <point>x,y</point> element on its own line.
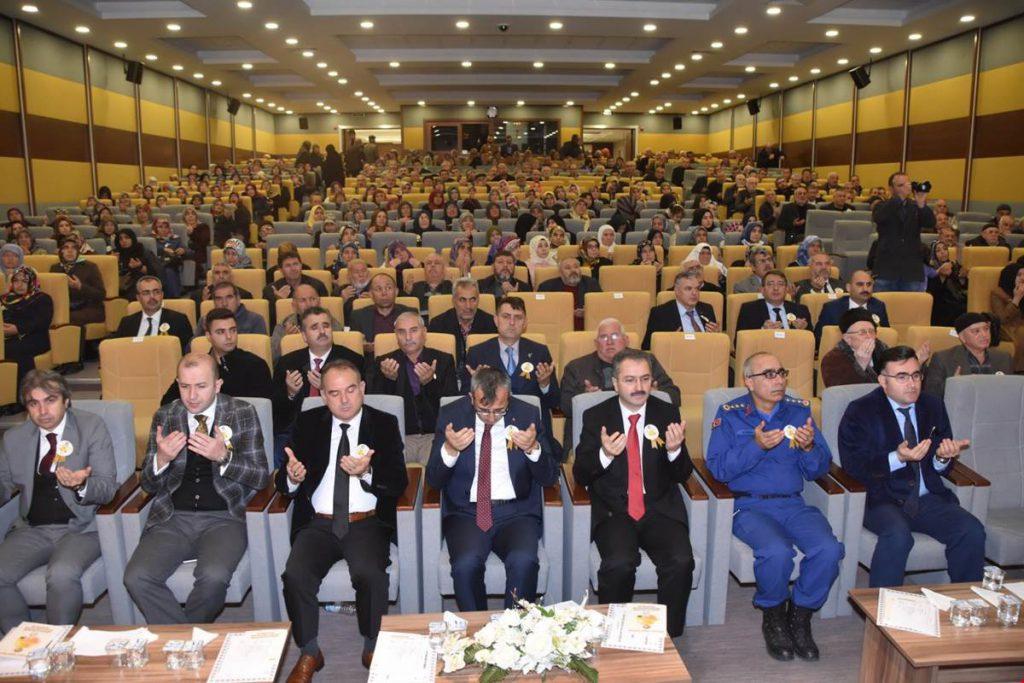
<point>727,100</point>
<point>280,108</point>
<point>773,11</point>
<point>750,69</point>
<point>173,27</point>
<point>291,41</point>
<point>289,112</point>
<point>793,79</point>
<point>680,67</point>
<point>422,103</point>
<point>650,111</point>
<point>538,65</point>
<point>321,65</point>
<point>773,84</point>
<point>470,103</point>
<point>655,81</point>
<point>271,104</point>
<point>215,83</point>
<point>740,30</point>
<point>30,9</point>
<point>365,98</point>
<point>520,103</point>
<point>462,24</point>
<point>668,104</point>
<point>151,58</point>
<point>659,108</point>
<point>607,112</point>
<point>666,74</point>
<point>466,64</point>
<point>555,26</point>
<point>120,45</point>
<point>967,18</point>
<point>371,103</point>
<point>634,94</point>
<point>244,4</point>
<point>246,95</point>
<point>609,65</point>
<point>717,44</point>
<point>815,71</point>
<point>342,81</point>
<point>831,33</point>
<point>394,65</point>
<point>319,104</point>
<point>332,73</point>
<point>358,93</point>
<point>177,67</point>
<point>842,61</point>
<point>81,29</point>
<point>741,96</point>
<point>366,24</point>
<point>569,103</point>
<point>714,105</point>
<point>914,36</point>
<point>694,112</point>
<point>259,100</point>
<point>247,66</point>
<point>704,109</point>
<point>626,99</point>
<point>308,53</point>
<point>334,111</point>
<point>696,56</point>
<point>271,26</point>
<point>650,27</point>
<point>875,50</point>
<point>197,75</point>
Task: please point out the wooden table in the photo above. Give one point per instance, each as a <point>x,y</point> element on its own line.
<point>978,654</point>
<point>612,665</point>
<point>98,669</point>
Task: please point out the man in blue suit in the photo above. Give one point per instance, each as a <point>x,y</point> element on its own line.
<point>490,462</point>
<point>861,288</point>
<point>527,363</point>
<point>899,443</point>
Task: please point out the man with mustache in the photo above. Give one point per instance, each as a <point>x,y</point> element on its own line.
<point>576,283</point>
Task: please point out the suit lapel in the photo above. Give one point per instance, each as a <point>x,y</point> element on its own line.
<point>321,457</point>
<point>32,447</point>
<point>76,460</point>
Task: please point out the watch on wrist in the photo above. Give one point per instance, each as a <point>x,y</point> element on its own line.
<point>943,461</point>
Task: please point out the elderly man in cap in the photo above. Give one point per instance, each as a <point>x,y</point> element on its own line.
<point>973,356</point>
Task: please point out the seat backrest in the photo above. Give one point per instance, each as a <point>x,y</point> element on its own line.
<point>939,338</point>
<point>695,362</point>
<point>343,274</point>
<point>834,401</point>
<point>821,223</point>
<point>989,410</point>
<point>257,344</point>
<point>851,235</point>
<point>736,302</point>
<point>186,307</point>
<point>814,303</point>
<point>410,301</point>
<point>56,285</point>
<point>265,413</point>
<point>436,305</point>
<point>906,308</point>
<point>549,313</point>
<point>335,305</point>
<point>983,280</point>
<point>736,274</point>
<point>971,257</point>
<point>118,416</point>
<point>138,371</point>
<point>624,256</point>
<point>40,262</point>
<point>793,348</point>
<point>585,400</point>
<point>573,345</point>
<point>108,271</point>
<point>479,272</point>
<point>631,308</point>
<point>629,279</point>
<point>368,255</point>
<point>291,228</point>
<point>713,398</point>
<point>298,239</point>
<point>255,255</point>
<point>308,254</point>
<point>439,341</point>
<point>350,340</point>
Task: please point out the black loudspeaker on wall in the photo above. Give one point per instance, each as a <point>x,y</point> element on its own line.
<point>677,123</point>
<point>861,77</point>
<point>303,123</point>
<point>753,106</point>
<point>233,106</point>
<point>133,72</point>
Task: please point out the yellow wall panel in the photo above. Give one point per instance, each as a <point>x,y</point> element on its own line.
<point>113,110</point>
<point>8,88</point>
<point>997,179</point>
<point>836,119</point>
<point>243,137</point>
<point>118,177</point>
<point>565,133</point>
<point>949,98</point>
<point>288,143</point>
<point>220,132</point>
<point>193,126</point>
<point>161,172</point>
<point>412,137</point>
<point>797,126</point>
<point>717,141</point>
<point>880,111</point>
<point>14,189</point>
<point>56,98</point>
<point>947,176</point>
<point>843,170</point>
<point>875,174</point>
<point>265,141</point>
<point>61,181</point>
<point>663,142</point>
<point>743,138</point>
<point>157,119</point>
<point>767,132</point>
<point>999,89</point>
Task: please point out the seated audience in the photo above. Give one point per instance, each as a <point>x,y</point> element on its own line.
<point>854,358</point>
<point>291,277</point>
<point>571,280</point>
<point>226,295</point>
<point>1006,304</point>
<point>819,280</point>
<point>463,319</point>
<point>947,283</point>
<point>154,319</point>
<point>503,280</point>
<point>85,284</point>
<point>687,313</point>
<point>433,282</point>
<point>973,356</point>
<point>760,261</point>
<point>134,262</point>
<point>772,311</point>
<point>381,315</point>
<point>861,288</point>
<point>27,316</point>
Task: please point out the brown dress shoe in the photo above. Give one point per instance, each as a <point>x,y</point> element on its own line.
<point>306,667</point>
<point>367,658</point>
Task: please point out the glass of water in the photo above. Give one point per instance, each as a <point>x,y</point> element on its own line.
<point>172,651</point>
<point>39,663</point>
<point>118,650</point>
<point>993,578</point>
<point>435,634</point>
<point>979,612</point>
<point>960,613</point>
<point>62,657</point>
<point>137,654</point>
<point>192,655</point>
<point>1008,612</point>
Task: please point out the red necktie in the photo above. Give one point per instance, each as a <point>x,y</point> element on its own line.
<point>483,482</point>
<point>314,391</point>
<point>47,462</point>
<point>636,475</point>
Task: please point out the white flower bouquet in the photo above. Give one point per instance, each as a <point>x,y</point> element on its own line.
<point>531,640</point>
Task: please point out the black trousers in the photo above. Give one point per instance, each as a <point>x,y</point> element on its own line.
<point>315,549</point>
<point>666,541</point>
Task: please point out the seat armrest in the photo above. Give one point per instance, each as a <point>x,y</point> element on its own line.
<point>130,485</point>
<point>279,504</point>
<point>962,475</point>
<point>829,485</point>
<point>718,489</point>
<point>845,479</point>
<point>260,501</point>
<point>553,495</point>
<point>577,493</point>
<point>431,497</point>
<point>693,488</point>
<point>407,501</point>
<point>137,503</point>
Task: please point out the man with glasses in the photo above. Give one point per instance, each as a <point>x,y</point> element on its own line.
<point>974,355</point>
<point>687,313</point>
<point>764,446</point>
<point>898,442</point>
<point>154,319</point>
<point>760,261</point>
<point>772,311</point>
<point>490,462</point>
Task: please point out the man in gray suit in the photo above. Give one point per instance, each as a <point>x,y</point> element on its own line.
<point>974,355</point>
<point>381,316</point>
<point>760,261</point>
<point>62,461</point>
<point>204,462</point>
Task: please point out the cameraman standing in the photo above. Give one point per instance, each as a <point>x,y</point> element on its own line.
<point>899,266</point>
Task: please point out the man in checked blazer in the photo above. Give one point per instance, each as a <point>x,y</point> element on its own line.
<point>204,462</point>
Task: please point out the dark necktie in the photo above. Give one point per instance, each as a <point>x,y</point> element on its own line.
<point>339,525</point>
<point>692,315</point>
<point>201,427</point>
<point>314,391</point>
<point>47,462</point>
<point>635,475</point>
<point>778,314</point>
<point>149,327</point>
<point>484,520</point>
<point>910,436</point>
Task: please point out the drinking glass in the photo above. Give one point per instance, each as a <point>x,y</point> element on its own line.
<point>39,663</point>
<point>118,650</point>
<point>435,633</point>
<point>1008,612</point>
<point>960,613</point>
<point>62,657</point>
<point>137,653</point>
<point>192,655</point>
<point>993,578</point>
<point>172,650</point>
<point>979,612</point>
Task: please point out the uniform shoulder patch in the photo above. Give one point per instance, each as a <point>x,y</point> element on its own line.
<point>717,422</point>
<point>798,401</point>
<point>734,406</point>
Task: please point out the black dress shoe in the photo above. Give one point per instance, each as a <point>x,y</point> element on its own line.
<point>367,658</point>
<point>799,621</point>
<point>777,638</point>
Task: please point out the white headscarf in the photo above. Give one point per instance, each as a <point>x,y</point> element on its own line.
<point>535,260</point>
<point>600,231</point>
<point>694,256</point>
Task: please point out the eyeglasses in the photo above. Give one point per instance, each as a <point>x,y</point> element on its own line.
<point>606,338</point>
<point>862,333</point>
<point>904,377</point>
<point>484,412</point>
<point>772,373</point>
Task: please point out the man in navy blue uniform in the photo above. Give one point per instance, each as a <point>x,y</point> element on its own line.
<point>899,443</point>
<point>490,461</point>
<point>527,363</point>
<point>763,446</point>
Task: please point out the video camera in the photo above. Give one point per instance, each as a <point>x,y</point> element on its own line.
<point>923,186</point>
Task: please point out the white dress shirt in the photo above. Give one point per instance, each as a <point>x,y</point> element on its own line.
<point>894,458</point>
<point>854,304</point>
<point>323,360</point>
<point>143,324</point>
<point>686,322</point>
<point>44,443</point>
<point>782,313</point>
<point>626,412</point>
<point>501,479</point>
<point>323,497</point>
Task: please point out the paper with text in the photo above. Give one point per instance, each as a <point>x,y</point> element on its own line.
<point>403,658</point>
<point>907,612</point>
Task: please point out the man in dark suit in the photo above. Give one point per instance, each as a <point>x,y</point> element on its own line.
<point>861,287</point>
<point>526,362</point>
<point>204,462</point>
<point>820,280</point>
<point>297,374</point>
<point>686,314</point>
<point>490,463</point>
<point>345,471</point>
<point>503,279</point>
<point>242,373</point>
<point>381,316</point>
<point>292,276</point>
<point>220,272</point>
<point>463,318</point>
<point>632,457</point>
<point>421,376</point>
<point>899,444</point>
<point>154,320</point>
<point>793,217</point>
<point>573,281</point>
<point>898,264</point>
<point>973,356</point>
<point>772,311</point>
<point>62,462</point>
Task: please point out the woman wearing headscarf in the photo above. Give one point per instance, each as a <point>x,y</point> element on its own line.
<point>947,283</point>
<point>424,223</point>
<point>11,258</point>
<point>494,240</point>
<point>461,256</point>
<point>400,258</point>
<point>348,252</point>
<point>28,313</point>
<point>590,256</point>
<point>540,255</point>
<point>607,239</point>
<point>809,247</point>
<point>647,255</point>
<point>704,255</point>
<point>530,221</point>
<point>235,254</point>
<point>133,262</point>
<point>85,284</point>
<point>629,207</point>
<point>753,234</point>
<point>451,215</point>
<point>28,244</point>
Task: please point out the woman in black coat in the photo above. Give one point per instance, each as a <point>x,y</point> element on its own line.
<point>134,262</point>
<point>28,313</point>
<point>333,168</point>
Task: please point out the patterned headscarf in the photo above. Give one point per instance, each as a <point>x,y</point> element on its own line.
<point>238,246</point>
<point>11,298</point>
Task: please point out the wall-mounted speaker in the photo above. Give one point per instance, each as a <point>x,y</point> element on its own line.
<point>133,72</point>
<point>303,123</point>
<point>753,107</point>
<point>861,77</point>
<point>233,106</point>
<point>677,123</point>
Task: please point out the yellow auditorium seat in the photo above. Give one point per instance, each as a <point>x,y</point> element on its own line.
<point>479,256</point>
<point>258,344</point>
<point>112,305</point>
<point>411,276</point>
<point>972,257</point>
<point>260,307</point>
<point>629,279</point>
<point>732,310</point>
<point>785,254</point>
<point>668,276</point>
<point>436,305</point>
<point>334,304</point>
<point>548,313</point>
<point>41,262</point>
<point>186,307</point>
<point>439,341</point>
<point>939,338</point>
<point>8,376</point>
<point>474,339</point>
<point>982,281</point>
<point>255,255</point>
<point>1018,252</point>
<point>139,371</point>
<point>575,345</point>
<point>65,338</point>
<point>696,363</point>
<point>420,253</point>
<point>310,256</point>
<point>567,251</point>
<point>830,337</point>
<point>630,308</point>
<point>625,254</point>
<point>350,340</point>
<point>906,308</point>
<point>368,255</point>
<point>814,304</point>
<point>714,299</point>
<point>545,273</point>
<point>795,274</point>
<point>736,274</point>
<point>410,301</point>
<point>793,348</point>
<point>480,272</point>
